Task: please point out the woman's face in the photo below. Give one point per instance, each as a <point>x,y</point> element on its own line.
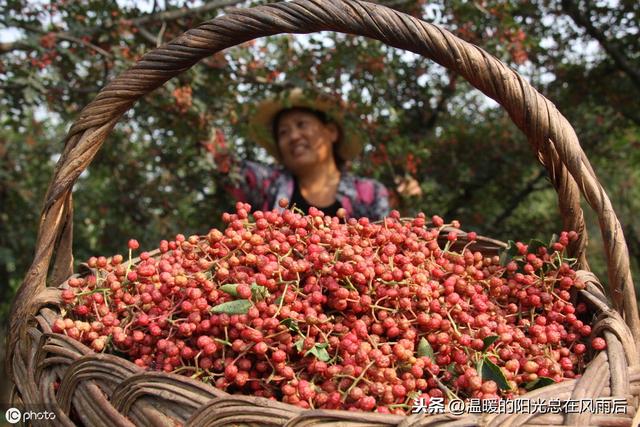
<point>304,140</point>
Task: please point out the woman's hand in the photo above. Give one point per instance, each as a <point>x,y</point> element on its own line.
<point>408,186</point>
<point>217,146</point>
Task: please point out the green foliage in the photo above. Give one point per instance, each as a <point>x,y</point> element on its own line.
<point>155,176</point>
<point>26,159</point>
<point>240,306</point>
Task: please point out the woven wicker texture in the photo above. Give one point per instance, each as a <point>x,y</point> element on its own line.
<point>106,390</point>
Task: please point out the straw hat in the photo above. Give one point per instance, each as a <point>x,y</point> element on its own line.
<point>261,124</point>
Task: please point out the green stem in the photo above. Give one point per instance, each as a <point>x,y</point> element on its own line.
<point>356,381</point>
<point>286,287</point>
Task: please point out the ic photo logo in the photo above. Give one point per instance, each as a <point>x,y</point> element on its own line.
<point>13,415</point>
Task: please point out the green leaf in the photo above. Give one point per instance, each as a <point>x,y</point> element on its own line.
<point>491,371</point>
<point>320,352</point>
<point>240,306</point>
<point>425,349</point>
<point>479,365</point>
<point>540,382</point>
<point>488,341</point>
<point>292,325</point>
<point>259,292</point>
<point>278,300</point>
<point>534,245</point>
<point>230,288</point>
<point>508,253</point>
<point>299,344</point>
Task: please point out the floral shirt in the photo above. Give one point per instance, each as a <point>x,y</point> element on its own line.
<point>262,186</point>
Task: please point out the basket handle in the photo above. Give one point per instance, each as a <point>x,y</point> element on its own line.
<point>551,136</point>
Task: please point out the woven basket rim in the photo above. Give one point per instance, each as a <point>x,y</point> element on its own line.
<point>549,133</point>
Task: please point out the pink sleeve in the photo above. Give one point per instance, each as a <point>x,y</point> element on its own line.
<point>365,190</point>
<point>249,181</point>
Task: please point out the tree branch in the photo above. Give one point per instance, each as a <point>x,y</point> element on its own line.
<point>16,45</point>
<point>395,3</point>
<point>65,36</point>
<point>172,15</point>
<point>447,92</point>
<point>146,34</point>
<point>610,47</point>
<point>515,201</point>
<point>430,117</point>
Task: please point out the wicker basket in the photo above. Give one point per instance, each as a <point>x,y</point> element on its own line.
<point>104,390</point>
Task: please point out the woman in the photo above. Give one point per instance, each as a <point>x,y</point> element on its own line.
<point>307,135</point>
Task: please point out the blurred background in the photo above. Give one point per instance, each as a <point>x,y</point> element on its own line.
<point>155,176</point>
